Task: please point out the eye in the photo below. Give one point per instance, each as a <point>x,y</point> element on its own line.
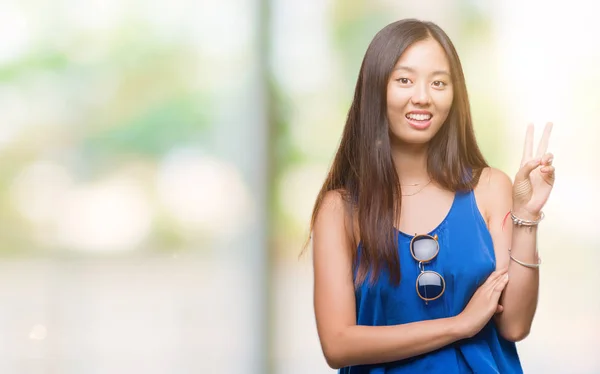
<point>404,80</point>
<point>439,84</point>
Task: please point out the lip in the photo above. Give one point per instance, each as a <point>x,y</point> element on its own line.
<point>419,125</point>
<point>420,112</point>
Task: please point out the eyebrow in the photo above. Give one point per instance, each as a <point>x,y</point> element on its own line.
<point>437,72</point>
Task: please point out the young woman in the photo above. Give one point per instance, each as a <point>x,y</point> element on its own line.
<point>425,257</point>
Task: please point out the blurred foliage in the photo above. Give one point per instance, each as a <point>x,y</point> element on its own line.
<point>354,26</point>
<point>125,97</point>
<point>131,95</point>
<point>151,131</point>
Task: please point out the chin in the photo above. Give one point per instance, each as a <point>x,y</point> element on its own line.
<point>403,133</point>
<point>412,137</point>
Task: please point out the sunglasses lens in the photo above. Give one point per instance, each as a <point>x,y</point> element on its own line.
<point>430,285</point>
<point>424,248</point>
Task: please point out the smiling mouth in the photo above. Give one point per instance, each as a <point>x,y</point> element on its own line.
<point>418,117</point>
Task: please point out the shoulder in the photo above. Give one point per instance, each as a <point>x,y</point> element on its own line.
<point>333,209</point>
<point>493,180</point>
<point>333,202</point>
<point>493,191</point>
<point>336,216</point>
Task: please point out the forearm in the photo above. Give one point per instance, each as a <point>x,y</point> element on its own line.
<point>520,296</point>
<point>361,345</point>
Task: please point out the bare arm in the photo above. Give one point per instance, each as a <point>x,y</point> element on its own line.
<point>520,296</point>
<point>343,342</point>
<point>525,197</point>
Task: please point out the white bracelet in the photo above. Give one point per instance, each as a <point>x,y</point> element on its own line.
<point>531,266</point>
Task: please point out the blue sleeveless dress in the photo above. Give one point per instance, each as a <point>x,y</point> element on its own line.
<point>465,260</point>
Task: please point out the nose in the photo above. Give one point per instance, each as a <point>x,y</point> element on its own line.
<point>421,95</point>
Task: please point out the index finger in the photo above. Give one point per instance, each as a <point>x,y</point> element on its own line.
<point>496,274</point>
<point>543,146</point>
<point>528,146</point>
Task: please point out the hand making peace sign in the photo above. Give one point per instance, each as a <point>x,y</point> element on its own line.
<point>534,180</point>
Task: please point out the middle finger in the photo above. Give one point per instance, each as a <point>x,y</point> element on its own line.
<point>543,146</point>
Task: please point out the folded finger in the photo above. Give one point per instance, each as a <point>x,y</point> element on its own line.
<point>547,159</point>
<point>493,278</point>
<point>527,168</point>
<point>548,169</point>
<point>500,284</point>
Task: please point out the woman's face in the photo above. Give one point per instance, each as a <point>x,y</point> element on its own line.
<point>419,93</point>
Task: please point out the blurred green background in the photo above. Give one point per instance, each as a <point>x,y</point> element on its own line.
<point>159,162</point>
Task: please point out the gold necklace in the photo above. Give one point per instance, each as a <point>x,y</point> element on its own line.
<point>419,190</point>
<point>413,184</point>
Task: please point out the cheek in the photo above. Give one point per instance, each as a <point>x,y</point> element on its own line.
<point>445,101</point>
<point>397,98</point>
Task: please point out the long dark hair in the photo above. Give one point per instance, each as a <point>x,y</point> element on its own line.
<point>363,169</point>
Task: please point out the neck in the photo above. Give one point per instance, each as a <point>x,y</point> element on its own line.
<point>411,163</point>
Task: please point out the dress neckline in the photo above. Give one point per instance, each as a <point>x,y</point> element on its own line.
<point>439,225</point>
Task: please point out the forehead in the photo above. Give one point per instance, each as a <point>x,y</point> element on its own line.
<point>424,56</point>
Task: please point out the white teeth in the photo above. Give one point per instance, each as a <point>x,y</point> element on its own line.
<point>418,117</point>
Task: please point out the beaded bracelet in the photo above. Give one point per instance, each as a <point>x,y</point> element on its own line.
<point>523,222</point>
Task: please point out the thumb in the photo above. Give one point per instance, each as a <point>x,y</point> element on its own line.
<point>527,168</point>
<point>499,309</point>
